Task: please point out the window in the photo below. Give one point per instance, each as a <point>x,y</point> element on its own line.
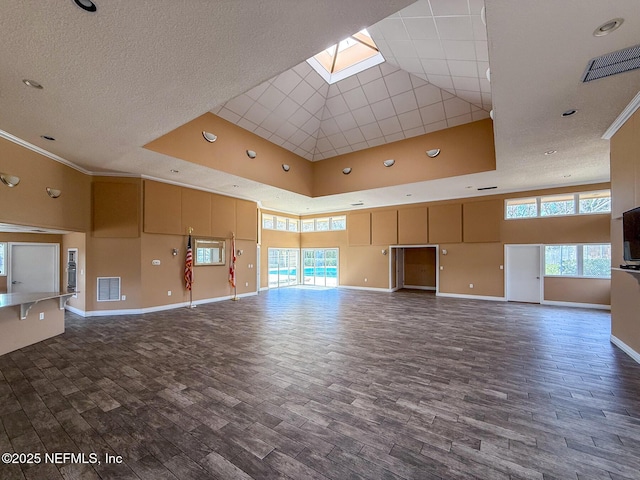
<point>324,224</point>
<point>3,256</point>
<point>558,205</point>
<point>522,208</point>
<point>585,203</point>
<point>274,222</point>
<point>578,260</point>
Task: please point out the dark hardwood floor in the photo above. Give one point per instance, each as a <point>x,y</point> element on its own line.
<point>298,383</point>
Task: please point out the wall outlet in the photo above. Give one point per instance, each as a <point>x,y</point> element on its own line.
<point>124,297</point>
<point>155,262</point>
<point>168,293</point>
<point>246,284</point>
<point>365,280</point>
<point>501,267</point>
<point>441,267</point>
<point>42,316</point>
<point>471,285</point>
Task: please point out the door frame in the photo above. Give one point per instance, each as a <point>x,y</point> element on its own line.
<point>396,254</point>
<point>540,268</point>
<point>56,260</point>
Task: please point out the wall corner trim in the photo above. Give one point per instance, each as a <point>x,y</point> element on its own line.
<point>625,348</point>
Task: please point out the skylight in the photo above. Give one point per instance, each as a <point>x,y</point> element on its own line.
<point>348,57</point>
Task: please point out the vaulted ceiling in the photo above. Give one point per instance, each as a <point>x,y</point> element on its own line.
<point>133,71</point>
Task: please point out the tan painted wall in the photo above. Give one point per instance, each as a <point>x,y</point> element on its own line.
<point>420,267</point>
<point>476,261</point>
<point>227,153</point>
<point>28,203</point>
<point>579,290</point>
<point>465,149</point>
<point>18,333</point>
<point>625,187</point>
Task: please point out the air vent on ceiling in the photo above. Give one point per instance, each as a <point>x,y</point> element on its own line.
<point>486,188</point>
<point>108,289</point>
<point>612,64</point>
<point>357,204</point>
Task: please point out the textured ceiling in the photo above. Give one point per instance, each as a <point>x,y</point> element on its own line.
<point>134,71</point>
<point>434,77</point>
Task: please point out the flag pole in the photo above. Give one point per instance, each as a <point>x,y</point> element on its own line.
<point>189,269</point>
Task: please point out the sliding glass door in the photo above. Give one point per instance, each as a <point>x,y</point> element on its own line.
<point>320,266</point>
<point>283,267</point>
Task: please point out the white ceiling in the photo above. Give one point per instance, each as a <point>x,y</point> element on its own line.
<point>133,71</point>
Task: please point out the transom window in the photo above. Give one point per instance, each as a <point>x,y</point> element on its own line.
<point>592,260</point>
<point>324,224</point>
<point>585,203</point>
<point>276,222</point>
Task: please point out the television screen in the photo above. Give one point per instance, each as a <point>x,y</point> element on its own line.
<point>631,235</point>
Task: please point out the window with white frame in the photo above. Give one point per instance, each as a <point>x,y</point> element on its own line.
<point>324,224</point>
<point>583,203</point>
<point>3,259</point>
<point>277,222</point>
<point>587,260</point>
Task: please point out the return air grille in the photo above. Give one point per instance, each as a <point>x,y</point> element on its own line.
<point>108,289</point>
<point>612,64</point>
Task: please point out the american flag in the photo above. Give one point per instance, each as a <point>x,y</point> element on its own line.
<point>232,263</point>
<point>188,266</point>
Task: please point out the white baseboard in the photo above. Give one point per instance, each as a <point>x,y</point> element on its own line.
<point>471,297</point>
<point>420,287</point>
<point>625,348</point>
<point>371,289</point>
<point>597,306</point>
<point>159,308</point>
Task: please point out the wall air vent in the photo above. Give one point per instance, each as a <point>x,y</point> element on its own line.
<point>612,64</point>
<point>108,289</point>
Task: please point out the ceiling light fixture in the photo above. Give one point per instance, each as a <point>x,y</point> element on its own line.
<point>488,74</point>
<point>53,192</point>
<point>86,5</point>
<point>47,137</point>
<point>346,170</point>
<point>286,167</point>
<point>251,154</point>
<point>32,84</point>
<point>491,115</point>
<point>389,163</point>
<point>9,180</point>
<point>433,153</point>
<point>550,152</point>
<point>607,27</point>
<point>569,112</point>
<point>209,137</point>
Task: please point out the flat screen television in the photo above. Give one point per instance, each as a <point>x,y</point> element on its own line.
<point>631,235</point>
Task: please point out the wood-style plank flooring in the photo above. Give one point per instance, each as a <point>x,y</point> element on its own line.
<point>328,384</point>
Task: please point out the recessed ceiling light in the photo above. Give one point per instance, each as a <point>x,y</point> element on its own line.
<point>286,167</point>
<point>236,186</point>
<point>607,27</point>
<point>569,112</point>
<point>209,137</point>
<point>491,114</point>
<point>409,194</point>
<point>346,170</point>
<point>251,154</point>
<point>389,163</point>
<point>32,84</point>
<point>433,153</point>
<point>550,152</point>
<point>86,5</point>
<point>47,137</point>
<point>173,170</point>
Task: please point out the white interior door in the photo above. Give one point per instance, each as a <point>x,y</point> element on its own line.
<point>524,282</point>
<point>34,267</point>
